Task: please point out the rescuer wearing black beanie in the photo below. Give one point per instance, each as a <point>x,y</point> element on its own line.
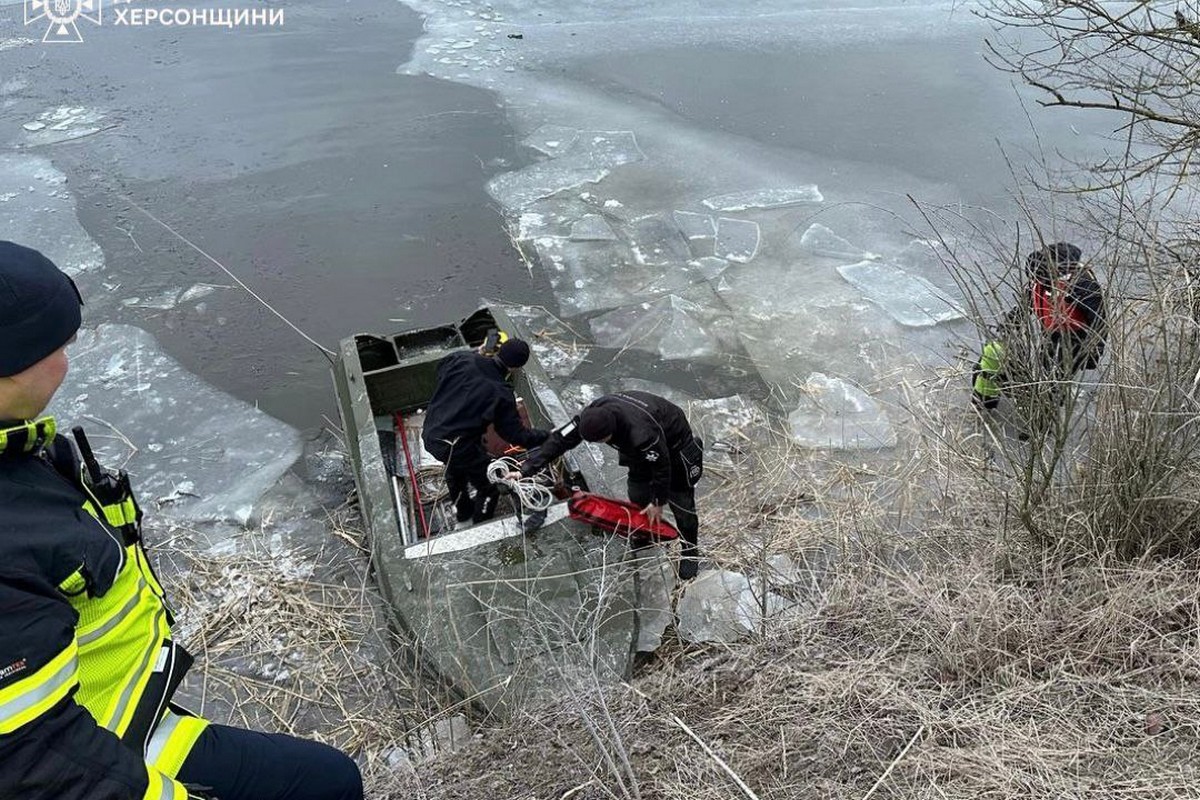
<point>88,660</point>
<point>472,393</point>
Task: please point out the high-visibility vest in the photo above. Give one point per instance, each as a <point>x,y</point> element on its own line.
<point>122,664</point>
<point>987,374</point>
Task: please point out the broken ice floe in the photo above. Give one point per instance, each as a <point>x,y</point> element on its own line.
<point>737,240</point>
<point>588,158</point>
<point>656,575</point>
<point>655,241</point>
<point>821,241</point>
<point>695,226</point>
<point>709,268</point>
<point>558,350</point>
<point>909,299</point>
<point>724,606</point>
<point>837,415</point>
<point>64,124</point>
<point>552,139</point>
<point>765,198</point>
<point>224,451</point>
<point>667,326</point>
<point>592,228</point>
<point>39,212</point>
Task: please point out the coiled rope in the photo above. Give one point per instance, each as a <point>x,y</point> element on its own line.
<point>532,494</point>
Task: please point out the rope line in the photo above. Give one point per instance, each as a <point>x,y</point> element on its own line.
<point>329,354</point>
<point>532,494</point>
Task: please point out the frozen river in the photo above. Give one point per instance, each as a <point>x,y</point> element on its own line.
<point>713,195</point>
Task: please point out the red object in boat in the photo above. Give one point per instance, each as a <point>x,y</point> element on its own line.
<point>617,516</point>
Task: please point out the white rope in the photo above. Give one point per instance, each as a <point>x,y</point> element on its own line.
<point>532,494</point>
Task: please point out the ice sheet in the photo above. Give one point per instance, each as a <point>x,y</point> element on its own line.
<point>656,242</point>
<point>821,241</point>
<point>765,198</point>
<point>555,346</point>
<point>709,268</point>
<point>64,124</point>
<point>837,415</point>
<point>586,158</point>
<point>695,226</point>
<point>737,239</point>
<point>668,326</point>
<point>592,228</point>
<point>909,299</point>
<point>38,211</point>
<point>193,452</point>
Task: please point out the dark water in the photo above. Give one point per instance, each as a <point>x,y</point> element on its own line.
<point>343,193</point>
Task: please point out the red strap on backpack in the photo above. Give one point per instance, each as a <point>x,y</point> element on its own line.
<point>617,516</point>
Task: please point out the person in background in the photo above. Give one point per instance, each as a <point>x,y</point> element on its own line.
<point>1067,305</point>
<point>88,660</point>
<point>655,441</point>
<point>473,393</point>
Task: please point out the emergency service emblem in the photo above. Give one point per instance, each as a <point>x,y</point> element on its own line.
<point>651,456</point>
<point>61,17</point>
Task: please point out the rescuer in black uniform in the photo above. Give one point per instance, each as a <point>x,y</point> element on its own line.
<point>88,661</point>
<point>655,440</point>
<point>472,393</point>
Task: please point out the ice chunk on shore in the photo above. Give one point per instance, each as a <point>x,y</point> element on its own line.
<point>39,212</point>
<point>837,415</point>
<point>765,198</point>
<point>821,241</point>
<point>657,576</point>
<point>184,443</point>
<point>737,239</point>
<point>908,299</point>
<point>667,326</point>
<point>695,226</point>
<point>724,606</point>
<point>592,228</point>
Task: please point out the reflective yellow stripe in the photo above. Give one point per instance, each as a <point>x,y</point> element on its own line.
<point>28,699</point>
<point>123,513</point>
<point>172,741</point>
<point>87,637</point>
<point>119,718</point>
<point>160,787</point>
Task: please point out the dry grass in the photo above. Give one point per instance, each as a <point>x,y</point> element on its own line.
<point>992,683</point>
<point>294,640</point>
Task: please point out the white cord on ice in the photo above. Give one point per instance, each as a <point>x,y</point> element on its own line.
<point>532,494</point>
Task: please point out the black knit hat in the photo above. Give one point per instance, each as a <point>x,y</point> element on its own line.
<point>596,423</point>
<point>1052,261</point>
<point>514,353</point>
<point>39,308</point>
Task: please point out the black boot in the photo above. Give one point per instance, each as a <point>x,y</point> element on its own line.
<point>689,562</point>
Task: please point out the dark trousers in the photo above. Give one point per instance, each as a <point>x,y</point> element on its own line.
<point>466,465</point>
<point>234,764</point>
<point>682,497</point>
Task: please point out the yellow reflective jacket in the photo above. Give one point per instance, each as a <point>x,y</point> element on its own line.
<point>84,625</point>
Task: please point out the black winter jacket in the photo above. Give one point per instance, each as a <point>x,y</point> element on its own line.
<point>651,432</point>
<point>45,536</point>
<point>471,395</point>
